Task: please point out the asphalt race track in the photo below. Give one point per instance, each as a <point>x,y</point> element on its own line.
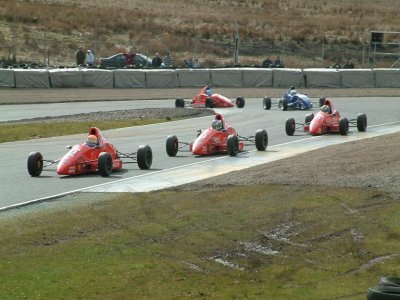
<point>18,187</point>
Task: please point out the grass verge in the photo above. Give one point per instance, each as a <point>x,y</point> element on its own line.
<point>246,242</point>
<point>16,132</point>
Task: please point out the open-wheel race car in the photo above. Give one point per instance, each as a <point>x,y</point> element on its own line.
<point>207,99</point>
<point>93,155</point>
<point>290,100</point>
<point>327,120</point>
<point>220,137</point>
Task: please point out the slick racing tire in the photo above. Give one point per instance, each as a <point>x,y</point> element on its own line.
<point>105,164</point>
<point>290,126</point>
<point>171,145</point>
<point>284,105</point>
<point>321,101</point>
<point>261,139</point>
<point>343,126</point>
<point>35,164</point>
<point>390,281</point>
<point>144,157</point>
<point>209,103</point>
<point>362,122</point>
<point>267,103</point>
<point>232,145</point>
<point>179,102</point>
<point>309,118</point>
<point>240,102</point>
<point>383,293</point>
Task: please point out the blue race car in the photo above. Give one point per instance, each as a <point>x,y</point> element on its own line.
<point>291,99</point>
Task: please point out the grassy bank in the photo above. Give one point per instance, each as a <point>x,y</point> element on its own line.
<point>249,242</point>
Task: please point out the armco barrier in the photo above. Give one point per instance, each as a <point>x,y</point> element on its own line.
<point>223,77</point>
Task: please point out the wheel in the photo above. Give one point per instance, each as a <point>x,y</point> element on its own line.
<point>284,105</point>
<point>240,102</point>
<point>267,102</point>
<point>343,126</point>
<point>35,164</point>
<point>383,293</point>
<point>144,157</point>
<point>179,102</point>
<point>321,101</point>
<point>232,145</point>
<point>309,118</point>
<point>362,122</point>
<point>171,145</point>
<point>290,126</point>
<point>209,103</point>
<point>261,139</point>
<point>390,281</point>
<point>105,164</point>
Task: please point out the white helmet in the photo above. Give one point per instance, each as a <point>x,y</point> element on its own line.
<point>293,92</point>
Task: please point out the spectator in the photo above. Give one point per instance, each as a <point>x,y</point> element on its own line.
<point>348,64</point>
<point>130,57</point>
<point>278,62</point>
<point>80,56</point>
<point>156,61</point>
<point>266,63</point>
<point>189,63</point>
<point>89,58</point>
<point>337,65</point>
<point>168,61</point>
<point>196,63</point>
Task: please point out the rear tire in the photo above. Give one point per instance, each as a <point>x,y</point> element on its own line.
<point>290,126</point>
<point>171,145</point>
<point>232,145</point>
<point>284,105</point>
<point>240,102</point>
<point>179,102</point>
<point>362,122</point>
<point>343,126</point>
<point>309,118</point>
<point>267,103</point>
<point>144,157</point>
<point>321,101</point>
<point>209,103</point>
<point>35,164</point>
<point>105,164</point>
<point>261,139</point>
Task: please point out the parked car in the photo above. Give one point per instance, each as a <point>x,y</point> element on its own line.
<point>119,61</point>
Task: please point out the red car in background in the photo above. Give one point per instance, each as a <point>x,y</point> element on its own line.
<point>93,155</point>
<point>205,98</point>
<point>220,137</point>
<point>327,120</point>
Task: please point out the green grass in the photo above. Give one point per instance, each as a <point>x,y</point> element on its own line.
<point>165,245</point>
<point>16,132</point>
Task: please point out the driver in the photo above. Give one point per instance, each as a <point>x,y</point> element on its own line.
<point>91,140</point>
<point>216,125</point>
<point>293,92</point>
<point>325,109</point>
<point>208,90</point>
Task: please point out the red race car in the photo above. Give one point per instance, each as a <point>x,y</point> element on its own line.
<point>205,98</point>
<point>93,155</point>
<point>327,120</point>
<point>218,138</point>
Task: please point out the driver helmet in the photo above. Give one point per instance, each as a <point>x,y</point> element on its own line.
<point>91,140</point>
<point>325,108</point>
<point>216,124</point>
<point>293,92</point>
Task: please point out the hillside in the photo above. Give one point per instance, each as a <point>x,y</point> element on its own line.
<point>305,33</point>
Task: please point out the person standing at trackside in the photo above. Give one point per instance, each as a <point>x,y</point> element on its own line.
<point>156,61</point>
<point>89,58</point>
<point>130,57</point>
<point>80,56</point>
<point>168,61</point>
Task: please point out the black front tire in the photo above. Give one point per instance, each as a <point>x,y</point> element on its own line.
<point>35,164</point>
<point>309,118</point>
<point>179,102</point>
<point>261,139</point>
<point>362,122</point>
<point>240,102</point>
<point>267,103</point>
<point>343,126</point>
<point>144,157</point>
<point>209,103</point>
<point>232,145</point>
<point>171,145</point>
<point>284,105</point>
<point>105,164</point>
<point>290,126</point>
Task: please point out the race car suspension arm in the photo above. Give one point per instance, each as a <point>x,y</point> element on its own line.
<point>50,162</point>
<point>132,156</point>
<point>249,139</point>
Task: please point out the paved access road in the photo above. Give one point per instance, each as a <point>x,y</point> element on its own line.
<point>17,186</point>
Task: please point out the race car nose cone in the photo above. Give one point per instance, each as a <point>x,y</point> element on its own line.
<point>63,168</point>
<point>199,149</point>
